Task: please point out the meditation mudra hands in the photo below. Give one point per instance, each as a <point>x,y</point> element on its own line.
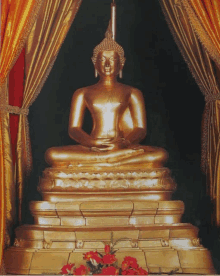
<point>119,120</point>
<point>109,144</point>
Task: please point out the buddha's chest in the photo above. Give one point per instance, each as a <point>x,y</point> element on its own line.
<point>110,102</point>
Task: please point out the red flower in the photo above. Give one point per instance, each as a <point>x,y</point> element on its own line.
<point>138,271</point>
<point>129,262</point>
<point>130,271</point>
<point>107,249</point>
<point>90,255</point>
<point>124,265</point>
<point>110,270</point>
<point>95,260</point>
<point>82,270</point>
<point>141,271</point>
<point>66,269</point>
<point>109,259</point>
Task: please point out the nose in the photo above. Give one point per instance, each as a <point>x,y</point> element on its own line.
<point>107,62</point>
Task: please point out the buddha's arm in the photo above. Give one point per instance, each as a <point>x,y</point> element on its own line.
<point>138,115</point>
<point>77,112</point>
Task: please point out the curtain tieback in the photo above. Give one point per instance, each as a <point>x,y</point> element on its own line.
<point>212,97</point>
<point>14,109</point>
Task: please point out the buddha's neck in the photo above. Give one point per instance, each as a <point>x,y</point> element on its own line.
<point>107,80</point>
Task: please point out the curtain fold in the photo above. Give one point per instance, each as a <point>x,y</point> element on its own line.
<point>204,16</point>
<point>17,18</point>
<point>16,89</point>
<point>204,71</point>
<point>42,48</point>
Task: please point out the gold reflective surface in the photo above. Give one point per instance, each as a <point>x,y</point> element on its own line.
<point>159,248</point>
<point>108,186</point>
<point>119,124</point>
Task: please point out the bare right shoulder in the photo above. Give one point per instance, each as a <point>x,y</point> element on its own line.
<point>80,92</point>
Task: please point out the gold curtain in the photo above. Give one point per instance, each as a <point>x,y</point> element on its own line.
<point>204,16</point>
<point>204,71</point>
<point>205,21</point>
<point>17,18</point>
<point>42,48</point>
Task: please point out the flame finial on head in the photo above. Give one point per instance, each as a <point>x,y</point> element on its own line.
<point>109,43</point>
<point>113,19</point>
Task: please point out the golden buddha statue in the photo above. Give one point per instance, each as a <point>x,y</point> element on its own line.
<point>119,119</point>
<point>108,188</point>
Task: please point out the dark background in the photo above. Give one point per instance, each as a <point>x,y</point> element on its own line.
<point>154,65</point>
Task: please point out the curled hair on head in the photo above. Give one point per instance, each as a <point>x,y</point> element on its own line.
<point>109,44</point>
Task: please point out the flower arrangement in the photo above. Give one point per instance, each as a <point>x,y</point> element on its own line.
<point>107,264</point>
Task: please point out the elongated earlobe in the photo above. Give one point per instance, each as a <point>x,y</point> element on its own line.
<point>120,74</point>
<point>96,73</point>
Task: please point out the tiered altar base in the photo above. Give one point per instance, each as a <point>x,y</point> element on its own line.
<point>79,214</point>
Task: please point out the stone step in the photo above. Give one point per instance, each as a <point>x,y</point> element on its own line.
<point>181,235</point>
<point>178,236</point>
<point>108,213</point>
<point>106,208</point>
<point>159,249</point>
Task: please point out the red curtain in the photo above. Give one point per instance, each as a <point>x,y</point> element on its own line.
<point>16,89</point>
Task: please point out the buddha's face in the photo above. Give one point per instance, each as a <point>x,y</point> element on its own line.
<point>108,63</point>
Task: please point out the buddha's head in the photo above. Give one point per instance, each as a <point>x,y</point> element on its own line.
<point>108,57</point>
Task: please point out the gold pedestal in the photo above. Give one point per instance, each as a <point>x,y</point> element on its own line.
<point>82,210</point>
